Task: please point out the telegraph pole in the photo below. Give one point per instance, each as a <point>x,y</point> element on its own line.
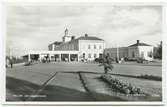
<point>117,54</point>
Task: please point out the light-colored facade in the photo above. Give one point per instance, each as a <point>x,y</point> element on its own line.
<point>88,47</point>
<point>146,52</point>
<point>91,49</point>
<point>135,51</point>
<point>84,48</point>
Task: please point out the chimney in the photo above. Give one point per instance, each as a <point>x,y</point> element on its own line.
<point>138,41</point>
<point>73,37</point>
<point>86,35</point>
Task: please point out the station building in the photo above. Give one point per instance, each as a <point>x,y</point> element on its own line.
<point>137,50</point>
<point>84,48</point>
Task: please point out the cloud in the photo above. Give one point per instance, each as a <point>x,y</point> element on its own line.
<point>32,25</point>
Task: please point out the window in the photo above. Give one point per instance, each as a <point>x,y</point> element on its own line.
<point>94,46</point>
<point>133,54</point>
<point>89,55</point>
<point>95,55</point>
<point>88,46</point>
<point>100,47</point>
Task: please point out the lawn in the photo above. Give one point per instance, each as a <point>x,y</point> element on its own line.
<point>128,69</point>
<point>66,85</point>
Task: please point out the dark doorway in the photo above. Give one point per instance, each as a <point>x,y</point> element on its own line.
<point>57,57</point>
<point>65,57</point>
<point>73,57</point>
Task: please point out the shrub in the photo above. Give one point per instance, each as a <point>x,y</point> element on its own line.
<point>120,86</point>
<point>150,77</point>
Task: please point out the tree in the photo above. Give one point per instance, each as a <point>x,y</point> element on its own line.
<point>107,63</point>
<point>159,51</point>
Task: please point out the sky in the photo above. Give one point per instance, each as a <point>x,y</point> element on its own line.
<point>34,27</point>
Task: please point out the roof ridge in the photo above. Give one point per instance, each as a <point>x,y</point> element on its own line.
<point>140,44</point>
<point>89,38</point>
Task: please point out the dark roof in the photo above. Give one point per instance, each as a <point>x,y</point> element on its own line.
<point>139,44</point>
<point>57,43</point>
<point>80,38</point>
<point>89,38</point>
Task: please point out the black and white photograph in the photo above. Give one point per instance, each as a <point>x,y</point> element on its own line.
<point>84,52</point>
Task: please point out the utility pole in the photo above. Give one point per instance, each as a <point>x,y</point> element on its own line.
<point>117,54</point>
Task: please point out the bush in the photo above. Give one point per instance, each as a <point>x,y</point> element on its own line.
<point>121,86</point>
<point>131,59</point>
<point>150,77</point>
<point>126,58</point>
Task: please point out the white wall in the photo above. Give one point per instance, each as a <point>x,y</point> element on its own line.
<point>145,50</point>
<point>140,52</point>
<point>83,48</point>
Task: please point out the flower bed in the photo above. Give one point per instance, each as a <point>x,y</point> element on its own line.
<point>120,86</point>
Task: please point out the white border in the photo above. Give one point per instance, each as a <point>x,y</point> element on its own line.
<point>71,2</point>
<point>2,51</point>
